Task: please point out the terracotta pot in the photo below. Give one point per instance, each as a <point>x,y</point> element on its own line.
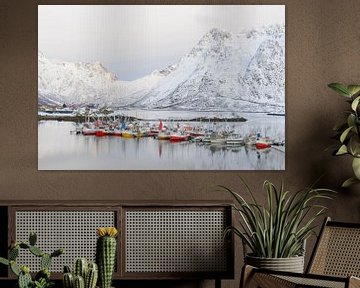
<point>291,264</point>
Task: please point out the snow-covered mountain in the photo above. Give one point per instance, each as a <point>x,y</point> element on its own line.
<point>224,72</point>
<point>62,82</point>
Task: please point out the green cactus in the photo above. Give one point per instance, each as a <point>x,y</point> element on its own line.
<point>105,255</point>
<point>79,282</point>
<point>25,269</point>
<point>57,252</point>
<point>67,269</point>
<point>24,280</point>
<point>13,253</point>
<point>32,238</point>
<point>24,245</point>
<point>68,280</point>
<point>87,272</point>
<point>80,267</point>
<point>4,261</point>
<point>45,261</point>
<point>42,278</point>
<point>91,276</point>
<point>92,266</point>
<point>36,251</point>
<point>14,268</point>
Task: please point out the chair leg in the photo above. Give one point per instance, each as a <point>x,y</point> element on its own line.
<point>217,283</point>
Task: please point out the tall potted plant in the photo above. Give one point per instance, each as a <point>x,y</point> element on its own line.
<point>348,132</point>
<point>275,233</point>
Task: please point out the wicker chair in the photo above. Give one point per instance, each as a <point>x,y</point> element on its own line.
<point>334,263</point>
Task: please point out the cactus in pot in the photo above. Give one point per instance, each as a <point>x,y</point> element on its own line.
<point>25,279</point>
<point>106,254</point>
<point>68,278</point>
<point>81,266</point>
<point>85,275</point>
<point>91,276</point>
<point>42,278</point>
<point>79,282</point>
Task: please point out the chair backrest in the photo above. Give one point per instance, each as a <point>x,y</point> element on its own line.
<point>337,251</point>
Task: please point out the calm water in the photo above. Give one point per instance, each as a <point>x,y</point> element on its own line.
<point>58,149</point>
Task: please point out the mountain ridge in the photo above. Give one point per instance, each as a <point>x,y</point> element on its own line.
<point>223,71</point>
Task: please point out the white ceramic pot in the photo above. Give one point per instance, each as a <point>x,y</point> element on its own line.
<point>291,264</point>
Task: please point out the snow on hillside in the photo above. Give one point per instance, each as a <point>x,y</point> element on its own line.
<point>223,72</point>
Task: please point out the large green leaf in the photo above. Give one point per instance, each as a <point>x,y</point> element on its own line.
<point>354,145</point>
<point>340,88</point>
<point>353,89</point>
<point>4,261</point>
<point>342,150</point>
<point>355,103</point>
<point>345,134</point>
<point>349,182</point>
<point>351,120</point>
<point>356,167</point>
<point>14,268</point>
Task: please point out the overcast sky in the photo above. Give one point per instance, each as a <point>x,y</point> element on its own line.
<point>132,41</point>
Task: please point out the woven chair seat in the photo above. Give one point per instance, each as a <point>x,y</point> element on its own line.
<point>335,262</point>
<point>313,282</point>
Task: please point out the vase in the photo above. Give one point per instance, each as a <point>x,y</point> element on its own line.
<point>291,264</point>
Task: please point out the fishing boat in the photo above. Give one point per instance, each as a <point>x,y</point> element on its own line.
<point>209,136</point>
<point>218,141</point>
<point>117,132</point>
<point>263,143</point>
<point>140,134</point>
<point>88,131</point>
<point>162,135</point>
<point>153,133</point>
<point>235,140</point>
<point>196,131</point>
<point>217,138</point>
<point>178,137</point>
<point>197,139</point>
<point>206,139</point>
<point>101,132</point>
<point>127,134</point>
<point>196,134</point>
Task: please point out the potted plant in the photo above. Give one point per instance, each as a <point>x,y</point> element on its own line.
<point>276,233</point>
<point>84,274</point>
<point>348,133</point>
<point>106,254</point>
<point>42,278</point>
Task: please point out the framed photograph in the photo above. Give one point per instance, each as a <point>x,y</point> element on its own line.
<point>161,87</point>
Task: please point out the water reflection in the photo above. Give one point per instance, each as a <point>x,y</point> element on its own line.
<point>60,150</point>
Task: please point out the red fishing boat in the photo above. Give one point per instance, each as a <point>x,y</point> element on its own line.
<point>178,137</point>
<point>263,143</point>
<point>101,133</point>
